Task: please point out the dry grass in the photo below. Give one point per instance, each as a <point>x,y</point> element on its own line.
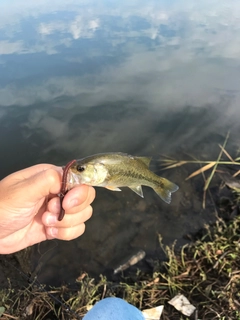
<point>207,165</point>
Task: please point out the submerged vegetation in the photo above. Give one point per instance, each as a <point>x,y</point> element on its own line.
<point>206,271</point>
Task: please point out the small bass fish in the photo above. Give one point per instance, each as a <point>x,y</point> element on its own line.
<point>116,170</point>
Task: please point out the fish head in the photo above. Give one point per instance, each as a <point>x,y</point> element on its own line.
<point>89,173</point>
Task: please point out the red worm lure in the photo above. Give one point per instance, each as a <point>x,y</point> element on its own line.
<point>63,191</point>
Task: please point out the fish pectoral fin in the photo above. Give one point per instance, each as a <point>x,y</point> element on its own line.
<point>137,190</point>
<point>113,188</point>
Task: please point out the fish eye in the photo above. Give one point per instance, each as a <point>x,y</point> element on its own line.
<point>81,168</point>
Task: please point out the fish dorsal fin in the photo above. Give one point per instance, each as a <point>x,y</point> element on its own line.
<point>145,160</point>
<point>137,190</point>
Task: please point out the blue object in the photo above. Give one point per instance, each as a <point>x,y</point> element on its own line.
<point>113,309</point>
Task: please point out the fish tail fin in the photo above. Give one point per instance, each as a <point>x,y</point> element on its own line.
<point>164,189</point>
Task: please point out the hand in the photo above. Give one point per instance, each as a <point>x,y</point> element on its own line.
<point>29,208</point>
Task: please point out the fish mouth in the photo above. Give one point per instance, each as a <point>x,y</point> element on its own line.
<point>73,179</point>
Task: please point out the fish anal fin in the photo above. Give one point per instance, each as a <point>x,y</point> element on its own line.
<point>137,190</point>
<point>112,188</point>
<point>145,160</point>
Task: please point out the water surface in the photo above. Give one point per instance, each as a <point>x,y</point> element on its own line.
<point>146,78</point>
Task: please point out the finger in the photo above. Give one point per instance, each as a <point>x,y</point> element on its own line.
<point>29,172</point>
<point>54,206</point>
<point>65,233</point>
<point>42,184</point>
<point>84,195</point>
<point>50,219</point>
<point>78,198</point>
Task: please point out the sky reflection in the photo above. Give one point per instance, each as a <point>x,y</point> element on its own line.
<point>169,54</point>
<point>71,56</point>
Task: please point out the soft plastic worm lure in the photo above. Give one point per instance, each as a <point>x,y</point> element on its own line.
<point>64,191</point>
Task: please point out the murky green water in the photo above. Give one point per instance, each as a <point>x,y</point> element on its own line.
<point>147,78</point>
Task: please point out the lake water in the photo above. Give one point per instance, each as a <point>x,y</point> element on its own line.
<point>148,78</point>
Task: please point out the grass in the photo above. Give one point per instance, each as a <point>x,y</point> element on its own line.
<point>207,272</point>
<point>214,164</point>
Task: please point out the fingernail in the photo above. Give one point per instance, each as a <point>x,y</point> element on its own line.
<point>51,220</point>
<point>53,232</point>
<point>73,203</point>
